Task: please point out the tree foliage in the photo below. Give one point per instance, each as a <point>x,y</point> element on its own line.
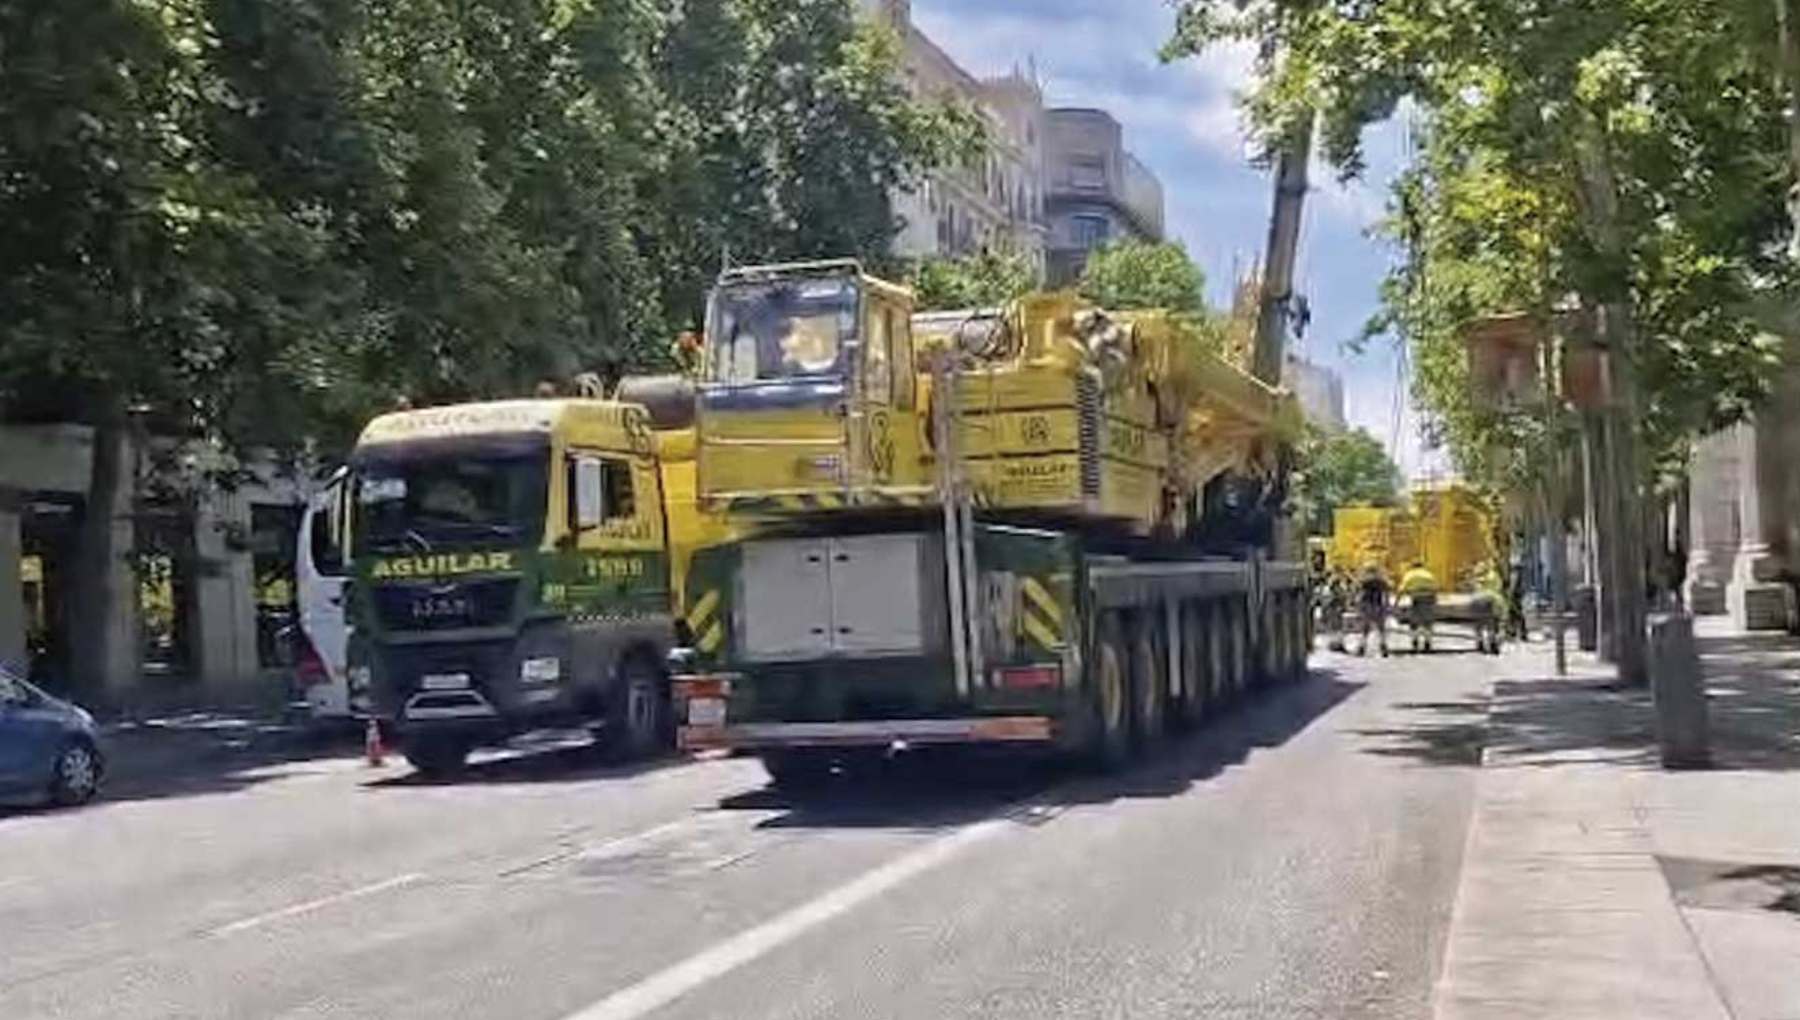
<point>1144,274</point>
<point>1625,157</point>
<point>259,221</point>
<point>1335,468</point>
<point>984,279</point>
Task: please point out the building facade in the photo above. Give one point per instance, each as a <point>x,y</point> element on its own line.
<point>1743,542</point>
<point>1319,390</point>
<point>1096,191</point>
<point>206,576</point>
<point>994,202</point>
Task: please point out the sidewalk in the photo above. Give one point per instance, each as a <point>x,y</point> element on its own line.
<point>1595,884</point>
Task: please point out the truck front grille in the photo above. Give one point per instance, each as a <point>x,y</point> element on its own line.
<point>426,606</point>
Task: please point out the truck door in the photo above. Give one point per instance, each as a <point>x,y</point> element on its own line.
<point>320,574</point>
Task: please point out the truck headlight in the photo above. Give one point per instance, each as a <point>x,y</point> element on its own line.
<point>546,670</point>
<point>358,679</point>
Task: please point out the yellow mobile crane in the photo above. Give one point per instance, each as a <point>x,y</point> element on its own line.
<point>976,526</point>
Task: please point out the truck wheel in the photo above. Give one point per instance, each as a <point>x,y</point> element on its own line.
<point>1110,745</point>
<point>798,768</point>
<point>1218,685</point>
<point>437,757</point>
<point>1234,628</point>
<point>1149,683</point>
<point>638,713</point>
<point>1195,682</point>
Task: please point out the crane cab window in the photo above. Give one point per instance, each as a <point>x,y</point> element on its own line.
<point>900,357</point>
<point>601,492</point>
<point>878,364</point>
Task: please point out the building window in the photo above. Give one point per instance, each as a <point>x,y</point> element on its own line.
<point>1087,172</point>
<point>1091,231</point>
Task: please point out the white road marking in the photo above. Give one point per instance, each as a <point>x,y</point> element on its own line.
<point>666,986</point>
<point>311,905</point>
<point>606,847</point>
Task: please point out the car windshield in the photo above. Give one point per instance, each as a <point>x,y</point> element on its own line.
<point>781,330</point>
<point>450,501</point>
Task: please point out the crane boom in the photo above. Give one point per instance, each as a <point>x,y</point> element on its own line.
<point>1277,304</point>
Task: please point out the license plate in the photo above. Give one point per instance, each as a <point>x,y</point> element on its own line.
<point>706,712</point>
<point>444,681</point>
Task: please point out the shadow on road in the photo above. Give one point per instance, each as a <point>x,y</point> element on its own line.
<point>198,754</point>
<point>568,762</point>
<point>945,789</point>
<point>1753,708</point>
<point>1441,733</point>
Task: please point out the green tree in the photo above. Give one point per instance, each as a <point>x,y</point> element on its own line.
<point>1335,468</point>
<point>1637,152</point>
<point>985,279</point>
<point>253,223</point>
<point>788,126</point>
<point>1144,274</point>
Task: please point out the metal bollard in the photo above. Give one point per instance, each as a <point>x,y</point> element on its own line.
<point>1587,623</point>
<point>1679,691</point>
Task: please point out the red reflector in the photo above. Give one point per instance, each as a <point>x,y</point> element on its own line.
<point>1028,678</point>
<point>690,687</point>
<point>310,671</point>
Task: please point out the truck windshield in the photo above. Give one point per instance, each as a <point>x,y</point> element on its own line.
<point>450,501</point>
<point>785,329</point>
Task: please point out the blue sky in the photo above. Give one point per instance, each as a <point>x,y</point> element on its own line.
<point>1182,121</point>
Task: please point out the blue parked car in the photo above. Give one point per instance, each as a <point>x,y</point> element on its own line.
<point>49,748</point>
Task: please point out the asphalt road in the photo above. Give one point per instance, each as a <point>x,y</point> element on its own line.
<point>1296,858</point>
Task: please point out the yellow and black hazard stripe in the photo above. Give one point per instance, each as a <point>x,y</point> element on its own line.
<point>898,497</point>
<point>704,623</point>
<point>1040,615</point>
<point>812,502</point>
<point>807,501</point>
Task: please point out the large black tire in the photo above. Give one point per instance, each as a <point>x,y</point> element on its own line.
<point>798,769</point>
<point>437,756</point>
<point>1110,744</point>
<point>1235,624</point>
<point>77,774</point>
<point>1149,683</point>
<point>1218,652</point>
<point>638,713</point>
<point>1196,681</point>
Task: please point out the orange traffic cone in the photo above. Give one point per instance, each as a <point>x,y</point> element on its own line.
<point>374,751</point>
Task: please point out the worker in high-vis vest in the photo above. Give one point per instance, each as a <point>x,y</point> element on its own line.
<point>1419,587</point>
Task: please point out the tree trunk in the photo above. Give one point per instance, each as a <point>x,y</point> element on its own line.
<point>1787,24</point>
<point>1602,515</point>
<point>98,584</point>
<point>1599,205</point>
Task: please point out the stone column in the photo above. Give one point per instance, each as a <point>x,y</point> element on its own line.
<point>121,671</point>
<point>224,600</point>
<point>12,585</point>
<point>1758,597</point>
<point>1712,522</point>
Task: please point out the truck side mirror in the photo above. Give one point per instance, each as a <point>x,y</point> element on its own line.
<point>590,494</point>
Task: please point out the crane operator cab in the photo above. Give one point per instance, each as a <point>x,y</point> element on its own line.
<point>809,397</point>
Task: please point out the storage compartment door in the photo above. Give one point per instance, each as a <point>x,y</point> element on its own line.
<point>875,595</point>
<point>786,599</point>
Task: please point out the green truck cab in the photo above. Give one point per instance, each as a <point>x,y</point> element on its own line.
<point>515,564</point>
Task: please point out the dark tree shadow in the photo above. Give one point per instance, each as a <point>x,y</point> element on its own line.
<point>1437,733</point>
<point>950,788</point>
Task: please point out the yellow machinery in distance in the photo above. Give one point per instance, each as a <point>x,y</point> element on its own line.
<point>1447,527</point>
